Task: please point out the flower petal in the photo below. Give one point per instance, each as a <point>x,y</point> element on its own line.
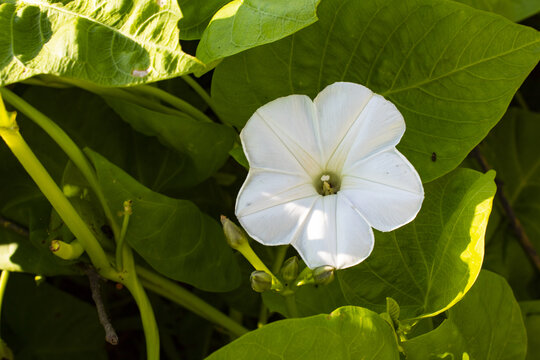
<point>335,234</point>
<point>370,124</point>
<point>385,189</point>
<point>277,225</point>
<point>338,106</point>
<point>281,135</point>
<point>264,189</point>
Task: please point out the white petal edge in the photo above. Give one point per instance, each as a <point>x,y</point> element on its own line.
<point>379,126</point>
<point>281,135</point>
<point>338,107</point>
<point>334,234</point>
<point>385,189</point>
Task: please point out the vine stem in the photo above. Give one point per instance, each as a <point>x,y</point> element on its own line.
<point>200,91</point>
<point>181,296</point>
<point>9,131</point>
<point>178,103</point>
<point>67,145</point>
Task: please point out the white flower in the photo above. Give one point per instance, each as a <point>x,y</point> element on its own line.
<point>324,172</point>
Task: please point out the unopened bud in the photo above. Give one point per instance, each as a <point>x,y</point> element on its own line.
<point>289,270</point>
<point>323,275</point>
<point>260,281</point>
<point>234,235</point>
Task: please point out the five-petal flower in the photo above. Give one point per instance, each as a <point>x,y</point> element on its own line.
<point>324,172</point>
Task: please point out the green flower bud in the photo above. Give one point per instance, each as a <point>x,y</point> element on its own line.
<point>323,275</point>
<point>234,235</point>
<point>289,270</point>
<point>260,281</point>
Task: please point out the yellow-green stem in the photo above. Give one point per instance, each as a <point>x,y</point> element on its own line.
<point>257,263</point>
<point>67,145</point>
<point>3,282</point>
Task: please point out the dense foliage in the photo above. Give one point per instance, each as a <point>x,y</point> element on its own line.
<point>120,151</point>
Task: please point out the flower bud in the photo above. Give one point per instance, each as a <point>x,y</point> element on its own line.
<point>323,275</point>
<point>234,235</point>
<point>260,281</point>
<point>289,270</point>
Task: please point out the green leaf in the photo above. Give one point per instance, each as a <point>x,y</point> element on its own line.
<point>426,266</point>
<point>172,235</point>
<point>206,145</point>
<point>486,324</point>
<point>347,333</point>
<point>48,324</point>
<point>512,150</point>
<point>531,317</point>
<point>244,24</point>
<point>196,16</point>
<point>108,43</point>
<point>515,10</point>
<point>451,70</point>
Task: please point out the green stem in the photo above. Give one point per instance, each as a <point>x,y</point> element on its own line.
<point>3,282</point>
<point>200,91</point>
<point>290,302</point>
<point>9,131</point>
<point>280,254</point>
<point>257,263</point>
<point>133,283</point>
<point>181,296</point>
<point>120,243</point>
<point>178,103</point>
<point>67,145</point>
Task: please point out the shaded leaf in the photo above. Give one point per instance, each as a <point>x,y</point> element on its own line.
<point>244,24</point>
<point>108,43</point>
<point>451,70</point>
<point>515,10</point>
<point>531,317</point>
<point>512,150</point>
<point>486,324</point>
<point>172,235</point>
<point>206,145</point>
<point>196,16</point>
<point>48,324</point>
<point>347,333</point>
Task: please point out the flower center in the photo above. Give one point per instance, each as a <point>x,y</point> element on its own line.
<point>327,184</point>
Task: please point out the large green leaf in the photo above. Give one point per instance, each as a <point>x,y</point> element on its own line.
<point>172,235</point>
<point>244,24</point>
<point>196,16</point>
<point>451,70</point>
<point>347,333</point>
<point>48,324</point>
<point>512,149</point>
<point>515,10</point>
<point>111,43</point>
<point>206,145</point>
<point>486,324</point>
<point>427,265</point>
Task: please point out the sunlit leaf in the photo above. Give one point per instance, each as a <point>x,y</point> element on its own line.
<point>451,70</point>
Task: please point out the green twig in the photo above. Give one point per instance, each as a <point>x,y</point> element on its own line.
<point>120,244</point>
<point>178,103</point>
<point>67,145</point>
<point>200,91</point>
<point>181,296</point>
<point>290,302</point>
